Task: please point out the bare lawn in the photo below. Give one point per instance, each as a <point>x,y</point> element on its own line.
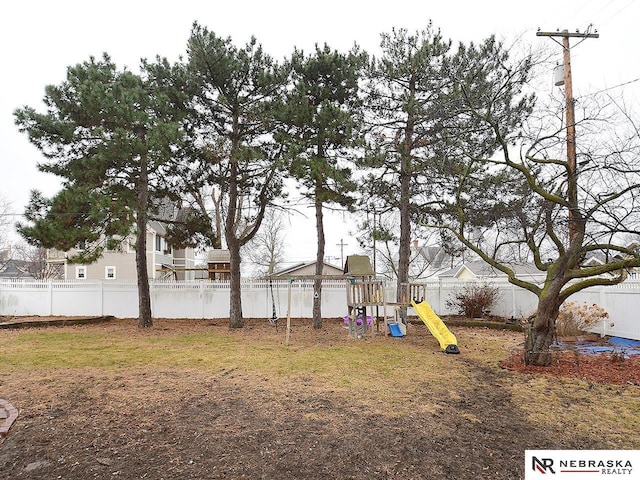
<point>193,399</point>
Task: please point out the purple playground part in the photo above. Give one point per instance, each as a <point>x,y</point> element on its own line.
<point>359,320</point>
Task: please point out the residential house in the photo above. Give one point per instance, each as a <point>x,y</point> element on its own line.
<point>428,261</point>
<point>601,258</point>
<point>163,260</point>
<point>480,270</point>
<point>14,269</point>
<point>307,270</point>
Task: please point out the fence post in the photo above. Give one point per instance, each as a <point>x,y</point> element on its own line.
<point>50,287</point>
<point>201,296</point>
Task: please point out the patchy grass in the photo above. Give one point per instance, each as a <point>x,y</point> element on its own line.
<point>608,412</point>
<point>350,366</point>
<point>193,391</point>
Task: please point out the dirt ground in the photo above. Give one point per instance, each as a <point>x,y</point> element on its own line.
<point>176,424</point>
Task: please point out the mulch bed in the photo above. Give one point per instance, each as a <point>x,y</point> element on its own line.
<point>600,368</point>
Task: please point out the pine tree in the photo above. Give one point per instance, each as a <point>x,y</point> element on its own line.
<point>406,97</point>
<point>322,120</point>
<point>109,137</point>
<point>233,153</point>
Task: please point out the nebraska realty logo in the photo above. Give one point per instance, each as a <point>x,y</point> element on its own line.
<point>582,464</point>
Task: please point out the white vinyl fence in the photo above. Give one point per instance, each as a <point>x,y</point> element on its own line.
<point>204,299</point>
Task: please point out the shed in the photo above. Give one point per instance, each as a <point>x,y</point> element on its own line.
<point>219,264</point>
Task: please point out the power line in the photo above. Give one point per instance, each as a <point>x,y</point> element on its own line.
<point>615,14</point>
<point>610,88</point>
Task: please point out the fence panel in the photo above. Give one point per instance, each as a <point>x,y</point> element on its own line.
<point>120,299</point>
<point>77,299</point>
<point>22,298</point>
<point>210,299</point>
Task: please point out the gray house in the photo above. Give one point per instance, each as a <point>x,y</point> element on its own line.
<point>15,269</point>
<point>308,269</point>
<point>479,270</point>
<point>163,261</point>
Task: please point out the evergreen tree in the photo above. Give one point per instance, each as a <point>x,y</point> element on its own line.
<point>109,137</point>
<point>232,151</point>
<point>321,125</point>
<point>406,99</point>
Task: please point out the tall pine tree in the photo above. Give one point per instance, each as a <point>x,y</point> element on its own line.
<point>234,95</point>
<point>322,121</point>
<point>109,137</point>
<point>406,98</point>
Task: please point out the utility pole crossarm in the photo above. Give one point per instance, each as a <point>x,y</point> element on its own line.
<point>567,34</point>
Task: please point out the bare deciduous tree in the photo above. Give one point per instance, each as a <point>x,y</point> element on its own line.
<point>266,249</point>
<point>539,201</point>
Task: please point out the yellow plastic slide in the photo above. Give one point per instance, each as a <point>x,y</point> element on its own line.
<point>436,326</point>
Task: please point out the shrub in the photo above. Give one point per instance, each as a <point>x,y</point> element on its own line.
<point>618,356</point>
<point>474,301</point>
<point>574,319</point>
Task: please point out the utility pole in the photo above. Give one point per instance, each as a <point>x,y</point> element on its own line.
<point>572,191</point>
<point>341,245</point>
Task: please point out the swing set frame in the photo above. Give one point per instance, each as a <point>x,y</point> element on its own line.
<point>362,293</point>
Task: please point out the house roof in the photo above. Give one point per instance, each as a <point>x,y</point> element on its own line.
<point>167,212</point>
<point>13,268</point>
<point>600,258</point>
<point>481,269</point>
<point>435,256</point>
<point>157,227</point>
<point>291,271</point>
<point>218,256</point>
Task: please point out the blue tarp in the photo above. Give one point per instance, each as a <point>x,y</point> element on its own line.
<point>613,344</point>
<point>625,342</point>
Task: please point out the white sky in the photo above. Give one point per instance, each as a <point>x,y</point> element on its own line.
<point>39,39</point>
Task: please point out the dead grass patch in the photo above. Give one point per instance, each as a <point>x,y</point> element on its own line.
<point>195,399</point>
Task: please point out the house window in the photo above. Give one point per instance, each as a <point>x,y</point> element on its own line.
<point>81,273</point>
<point>162,245</point>
<point>110,273</point>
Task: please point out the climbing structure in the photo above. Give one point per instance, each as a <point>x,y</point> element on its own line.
<point>364,292</point>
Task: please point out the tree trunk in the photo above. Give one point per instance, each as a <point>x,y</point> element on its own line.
<point>217,224</point>
<point>404,254</point>
<point>541,331</point>
<point>317,281</point>
<point>144,297</point>
<point>235,306</point>
<point>405,243</point>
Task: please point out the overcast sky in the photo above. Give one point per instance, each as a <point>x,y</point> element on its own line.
<point>39,39</point>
